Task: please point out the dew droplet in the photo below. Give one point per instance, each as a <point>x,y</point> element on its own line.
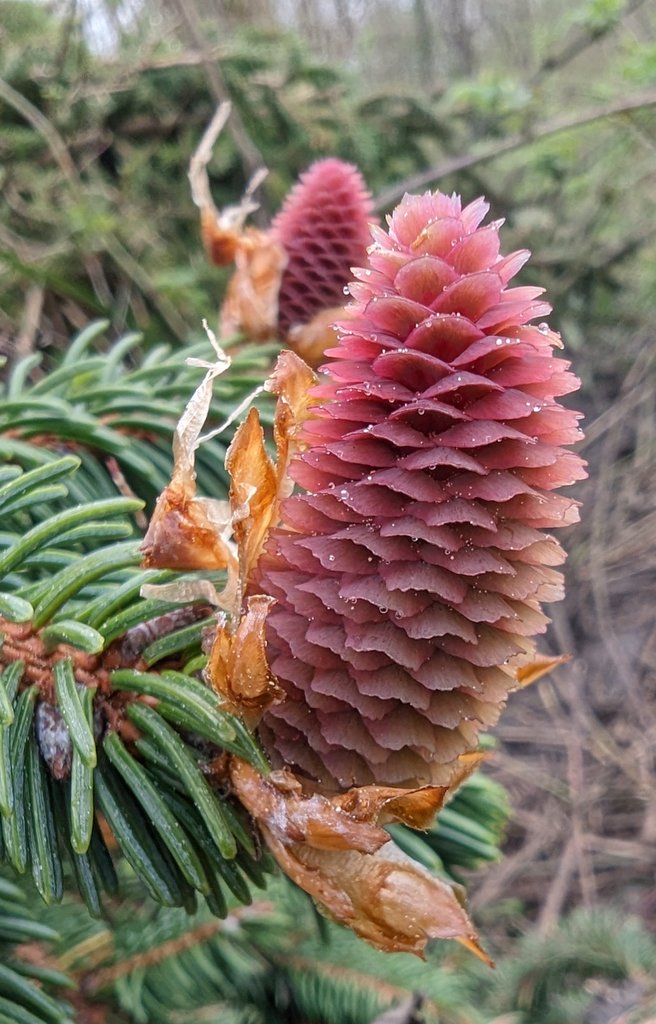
<point>543,328</point>
<point>345,289</point>
<point>331,558</point>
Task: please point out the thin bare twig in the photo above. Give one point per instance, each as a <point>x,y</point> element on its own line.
<point>58,148</point>
<point>557,894</point>
<point>94,981</point>
<point>577,45</point>
<point>121,256</point>
<point>513,142</point>
<point>134,270</point>
<point>43,126</point>
<point>250,154</point>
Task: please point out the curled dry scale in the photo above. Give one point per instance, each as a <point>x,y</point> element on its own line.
<point>385,574</point>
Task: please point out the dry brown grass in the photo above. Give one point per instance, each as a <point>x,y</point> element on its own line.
<point>578,750</point>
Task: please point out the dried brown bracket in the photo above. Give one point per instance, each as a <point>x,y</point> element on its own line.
<point>288,281</point>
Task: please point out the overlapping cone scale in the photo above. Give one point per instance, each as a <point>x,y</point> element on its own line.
<point>410,573</point>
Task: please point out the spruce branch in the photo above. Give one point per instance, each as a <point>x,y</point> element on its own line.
<point>30,981</point>
<point>116,416</point>
<point>67,742</point>
<point>96,980</point>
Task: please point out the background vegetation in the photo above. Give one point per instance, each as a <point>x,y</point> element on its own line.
<point>549,110</point>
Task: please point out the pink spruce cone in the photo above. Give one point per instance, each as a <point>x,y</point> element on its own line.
<point>324,229</point>
<point>410,575</point>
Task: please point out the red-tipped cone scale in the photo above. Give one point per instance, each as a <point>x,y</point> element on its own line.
<point>409,575</point>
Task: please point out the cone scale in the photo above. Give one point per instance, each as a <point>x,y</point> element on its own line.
<point>410,569</point>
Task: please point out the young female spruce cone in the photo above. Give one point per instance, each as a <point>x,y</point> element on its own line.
<point>409,576</point>
<point>289,280</point>
<point>323,228</point>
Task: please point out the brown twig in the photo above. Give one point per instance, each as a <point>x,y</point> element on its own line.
<point>121,256</point>
<point>513,142</point>
<point>584,39</point>
<point>21,643</point>
<point>57,146</point>
<point>93,981</point>
<point>557,892</point>
<point>250,154</point>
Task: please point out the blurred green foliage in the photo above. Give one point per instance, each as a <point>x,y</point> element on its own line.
<point>94,149</point>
